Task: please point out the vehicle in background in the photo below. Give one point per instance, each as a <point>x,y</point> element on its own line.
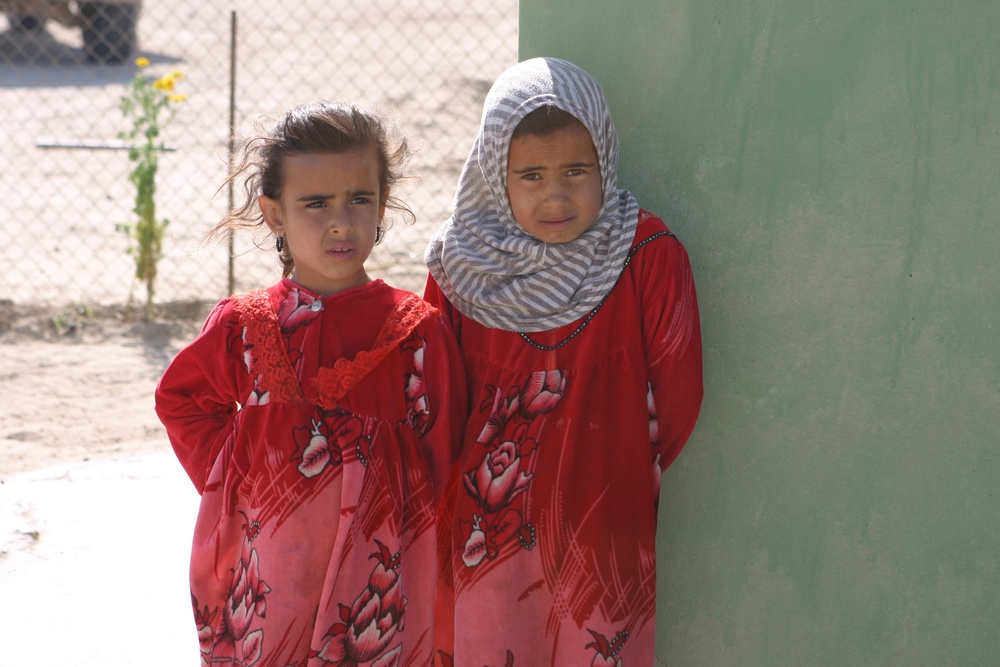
<point>109,26</point>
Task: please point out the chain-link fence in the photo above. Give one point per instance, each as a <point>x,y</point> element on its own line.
<point>65,173</point>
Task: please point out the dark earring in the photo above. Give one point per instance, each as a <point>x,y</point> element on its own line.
<point>279,243</point>
<point>379,234</point>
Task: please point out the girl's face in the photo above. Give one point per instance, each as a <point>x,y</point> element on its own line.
<point>554,183</point>
<point>328,212</point>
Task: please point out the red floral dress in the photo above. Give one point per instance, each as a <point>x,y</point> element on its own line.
<point>319,431</point>
<point>553,553</point>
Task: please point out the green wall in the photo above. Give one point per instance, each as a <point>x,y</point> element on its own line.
<point>834,171</point>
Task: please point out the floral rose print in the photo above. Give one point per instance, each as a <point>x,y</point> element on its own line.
<point>253,648</point>
<point>257,397</point>
<point>367,627</point>
<point>498,479</point>
<point>503,473</point>
<point>503,408</point>
<point>493,485</point>
<point>476,546</point>
<point>418,407</point>
<point>654,436</point>
<point>317,452</point>
<point>232,640</point>
<point>246,595</point>
<point>607,651</point>
<point>488,535</point>
<point>297,309</point>
<point>205,623</point>
<point>247,351</point>
<point>321,450</point>
<point>542,393</point>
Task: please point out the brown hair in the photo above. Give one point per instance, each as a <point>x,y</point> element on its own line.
<point>319,127</point>
<point>544,121</point>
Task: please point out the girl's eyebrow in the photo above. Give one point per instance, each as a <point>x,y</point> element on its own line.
<point>572,165</point>
<point>322,197</point>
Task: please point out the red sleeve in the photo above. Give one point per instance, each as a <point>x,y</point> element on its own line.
<point>444,380</point>
<point>671,337</point>
<point>198,396</point>
<point>434,296</point>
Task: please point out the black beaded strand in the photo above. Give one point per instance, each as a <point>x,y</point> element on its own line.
<point>590,315</point>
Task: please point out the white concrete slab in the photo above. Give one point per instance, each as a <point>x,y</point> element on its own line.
<point>93,565</point>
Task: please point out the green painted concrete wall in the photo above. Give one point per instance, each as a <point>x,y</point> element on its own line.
<point>834,171</point>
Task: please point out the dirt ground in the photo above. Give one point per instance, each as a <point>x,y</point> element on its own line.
<point>77,385</point>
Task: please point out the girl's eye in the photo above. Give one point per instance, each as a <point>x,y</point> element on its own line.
<point>531,177</point>
<point>575,172</point>
<point>361,200</point>
<point>316,204</point>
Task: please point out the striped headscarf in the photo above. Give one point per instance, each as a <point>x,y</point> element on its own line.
<point>490,268</point>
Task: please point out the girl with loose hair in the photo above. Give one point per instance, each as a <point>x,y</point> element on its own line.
<point>317,418</point>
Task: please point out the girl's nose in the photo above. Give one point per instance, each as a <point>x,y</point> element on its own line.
<point>557,190</point>
<point>340,222</point>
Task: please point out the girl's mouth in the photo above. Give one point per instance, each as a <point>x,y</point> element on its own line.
<point>556,222</point>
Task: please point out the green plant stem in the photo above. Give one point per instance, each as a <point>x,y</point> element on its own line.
<point>150,111</point>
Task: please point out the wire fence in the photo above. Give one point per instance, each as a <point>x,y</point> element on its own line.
<point>428,63</point>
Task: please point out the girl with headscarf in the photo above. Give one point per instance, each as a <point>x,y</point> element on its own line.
<point>578,324</point>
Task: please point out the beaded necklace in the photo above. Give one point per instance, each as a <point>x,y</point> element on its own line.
<point>592,313</point>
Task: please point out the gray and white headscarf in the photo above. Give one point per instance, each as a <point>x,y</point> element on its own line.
<point>485,263</point>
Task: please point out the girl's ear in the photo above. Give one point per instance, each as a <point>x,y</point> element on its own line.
<point>381,204</point>
<point>271,210</point>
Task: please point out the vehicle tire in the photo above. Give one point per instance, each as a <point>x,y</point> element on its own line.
<point>25,22</point>
<point>109,34</point>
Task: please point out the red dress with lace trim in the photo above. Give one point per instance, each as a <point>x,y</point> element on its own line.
<point>553,558</point>
<point>319,431</point>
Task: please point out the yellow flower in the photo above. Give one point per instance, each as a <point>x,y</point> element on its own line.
<point>177,74</point>
<point>177,97</point>
<point>142,62</point>
<point>164,83</point>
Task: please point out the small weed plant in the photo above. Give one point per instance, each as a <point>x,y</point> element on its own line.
<point>148,104</point>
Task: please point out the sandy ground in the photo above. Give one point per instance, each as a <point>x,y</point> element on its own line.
<point>78,386</point>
